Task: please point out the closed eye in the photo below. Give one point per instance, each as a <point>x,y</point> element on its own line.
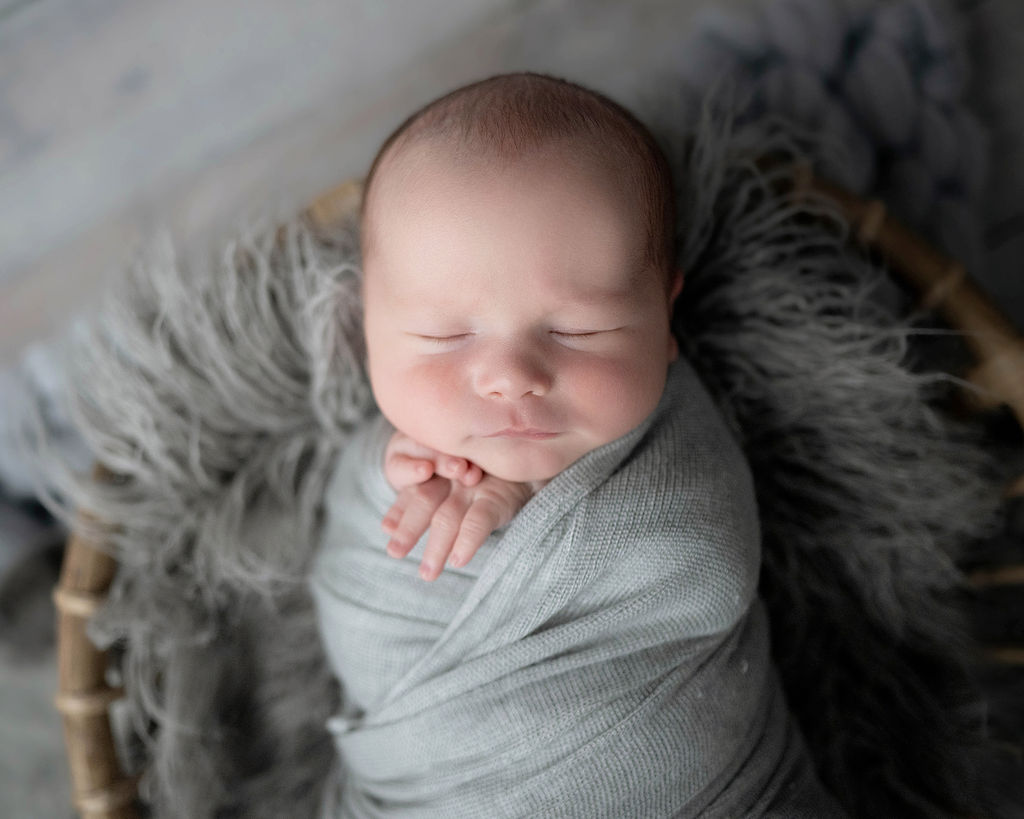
<point>580,333</point>
<point>441,339</point>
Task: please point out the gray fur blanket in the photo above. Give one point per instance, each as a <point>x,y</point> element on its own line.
<point>221,398</point>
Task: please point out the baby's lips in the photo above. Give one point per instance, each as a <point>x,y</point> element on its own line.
<point>531,433</point>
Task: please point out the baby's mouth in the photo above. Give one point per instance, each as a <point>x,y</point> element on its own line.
<point>529,433</point>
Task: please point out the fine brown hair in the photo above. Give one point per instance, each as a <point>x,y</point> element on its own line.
<point>506,116</point>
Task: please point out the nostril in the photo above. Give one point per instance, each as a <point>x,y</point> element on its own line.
<point>512,376</point>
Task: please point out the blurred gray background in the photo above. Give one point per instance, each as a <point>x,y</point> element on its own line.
<point>119,117</point>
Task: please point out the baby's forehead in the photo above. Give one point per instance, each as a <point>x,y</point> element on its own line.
<point>432,175</point>
<point>449,161</point>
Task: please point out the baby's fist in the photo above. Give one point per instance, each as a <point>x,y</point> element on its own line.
<point>408,463</point>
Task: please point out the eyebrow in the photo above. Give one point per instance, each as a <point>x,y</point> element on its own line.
<point>597,297</point>
<point>593,293</point>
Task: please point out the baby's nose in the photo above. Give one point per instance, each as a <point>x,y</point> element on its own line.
<point>511,374</point>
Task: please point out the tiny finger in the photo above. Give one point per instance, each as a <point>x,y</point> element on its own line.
<point>458,469</point>
<point>474,474</point>
<point>452,467</point>
<point>395,512</point>
<point>444,526</point>
<point>420,503</point>
<point>406,470</point>
<point>392,517</point>
<point>477,525</point>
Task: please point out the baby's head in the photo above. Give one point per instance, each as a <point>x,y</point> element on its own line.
<point>519,274</point>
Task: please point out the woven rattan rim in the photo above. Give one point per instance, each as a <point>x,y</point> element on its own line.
<point>115,799</point>
<point>78,603</point>
<point>101,789</point>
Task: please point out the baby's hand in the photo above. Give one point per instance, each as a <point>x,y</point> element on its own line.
<point>459,518</point>
<point>408,462</point>
<point>459,514</point>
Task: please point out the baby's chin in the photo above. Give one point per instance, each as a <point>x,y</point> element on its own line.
<point>533,467</point>
<point>522,475</point>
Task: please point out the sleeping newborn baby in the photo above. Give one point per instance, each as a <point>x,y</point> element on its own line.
<point>590,642</point>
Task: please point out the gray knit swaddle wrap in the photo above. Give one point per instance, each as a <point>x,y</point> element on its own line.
<point>610,658</point>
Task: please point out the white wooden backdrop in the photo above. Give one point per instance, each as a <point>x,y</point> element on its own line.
<point>117,116</point>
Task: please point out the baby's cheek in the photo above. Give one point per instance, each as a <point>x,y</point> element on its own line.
<point>616,394</point>
<point>436,383</point>
<point>423,402</point>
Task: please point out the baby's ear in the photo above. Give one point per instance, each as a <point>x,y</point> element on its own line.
<point>677,285</point>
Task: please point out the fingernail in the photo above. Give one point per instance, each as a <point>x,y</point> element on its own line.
<point>457,561</point>
<point>427,571</point>
<point>394,548</point>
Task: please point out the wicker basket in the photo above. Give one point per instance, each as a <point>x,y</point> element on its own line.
<point>103,791</point>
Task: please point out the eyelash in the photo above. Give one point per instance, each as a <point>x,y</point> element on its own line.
<point>566,334</point>
<point>442,340</point>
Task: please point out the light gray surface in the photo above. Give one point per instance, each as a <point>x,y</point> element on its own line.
<point>118,116</point>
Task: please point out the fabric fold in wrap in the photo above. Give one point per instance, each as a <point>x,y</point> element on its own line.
<point>609,658</point>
